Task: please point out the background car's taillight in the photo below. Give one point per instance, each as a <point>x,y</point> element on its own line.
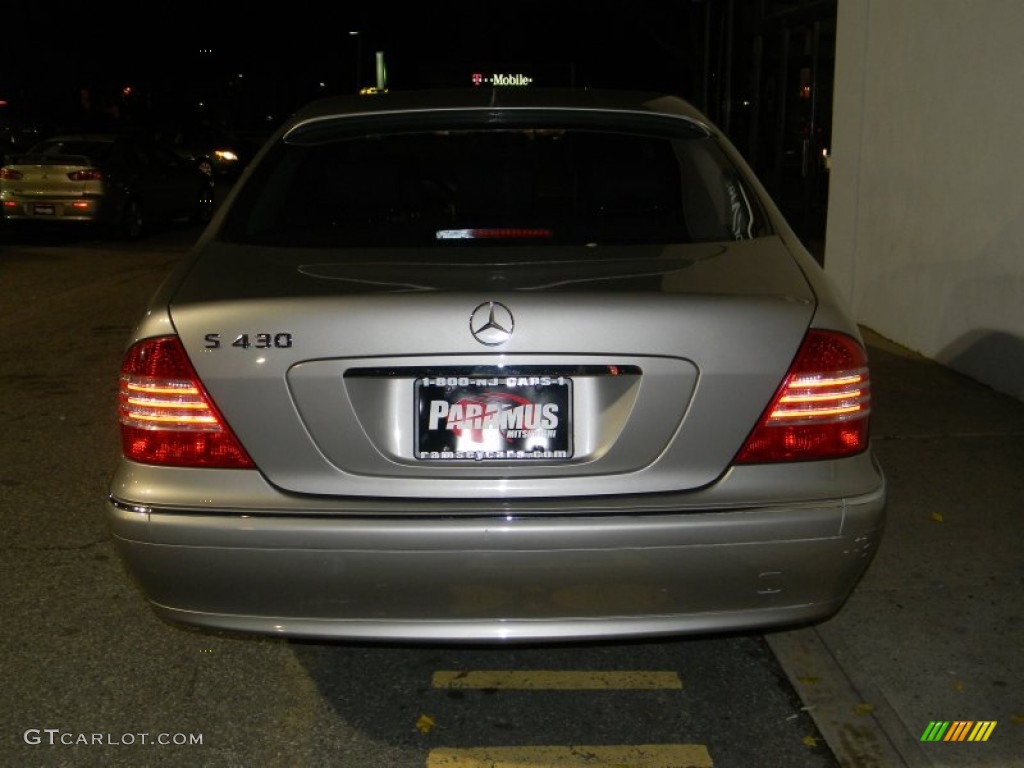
<point>9,174</point>
<point>822,409</point>
<point>88,174</point>
<point>165,413</point>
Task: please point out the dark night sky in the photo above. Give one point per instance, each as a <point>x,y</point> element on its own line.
<point>263,62</point>
<point>284,54</point>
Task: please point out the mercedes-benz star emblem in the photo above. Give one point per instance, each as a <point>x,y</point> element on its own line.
<point>491,323</point>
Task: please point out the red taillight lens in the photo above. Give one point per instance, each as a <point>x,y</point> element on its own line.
<point>89,174</point>
<point>822,409</point>
<point>9,174</point>
<point>166,415</point>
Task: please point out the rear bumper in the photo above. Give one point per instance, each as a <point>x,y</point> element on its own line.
<point>501,577</point>
<point>72,209</point>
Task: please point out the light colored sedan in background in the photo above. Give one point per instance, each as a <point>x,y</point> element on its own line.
<point>111,179</point>
<point>496,365</point>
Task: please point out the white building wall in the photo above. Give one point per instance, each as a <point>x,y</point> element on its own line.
<point>926,196</point>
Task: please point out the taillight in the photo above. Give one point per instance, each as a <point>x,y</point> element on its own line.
<point>9,174</point>
<point>166,415</point>
<point>88,174</point>
<point>822,409</point>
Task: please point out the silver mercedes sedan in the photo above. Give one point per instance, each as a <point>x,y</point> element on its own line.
<point>496,365</point>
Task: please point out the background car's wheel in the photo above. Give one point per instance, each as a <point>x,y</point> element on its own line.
<point>206,166</point>
<point>132,221</point>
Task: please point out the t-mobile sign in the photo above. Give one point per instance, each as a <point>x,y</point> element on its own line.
<point>503,80</point>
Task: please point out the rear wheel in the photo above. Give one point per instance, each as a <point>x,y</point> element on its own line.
<point>206,166</point>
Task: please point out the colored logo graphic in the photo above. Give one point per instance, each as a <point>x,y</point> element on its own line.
<point>517,79</point>
<point>958,730</point>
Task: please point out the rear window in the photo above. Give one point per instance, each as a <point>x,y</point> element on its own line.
<point>515,185</point>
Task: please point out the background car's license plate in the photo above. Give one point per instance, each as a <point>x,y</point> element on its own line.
<point>43,209</point>
<point>498,418</point>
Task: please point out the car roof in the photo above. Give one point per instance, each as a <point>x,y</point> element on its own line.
<point>500,98</point>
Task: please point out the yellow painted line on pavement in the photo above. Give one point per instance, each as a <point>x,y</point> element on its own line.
<point>566,680</point>
<point>627,756</point>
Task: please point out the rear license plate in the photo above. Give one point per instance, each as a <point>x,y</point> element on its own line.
<point>502,418</point>
<point>43,209</point>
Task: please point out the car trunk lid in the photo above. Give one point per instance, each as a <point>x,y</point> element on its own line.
<point>341,376</point>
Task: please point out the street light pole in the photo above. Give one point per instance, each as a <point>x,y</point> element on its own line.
<point>382,76</point>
